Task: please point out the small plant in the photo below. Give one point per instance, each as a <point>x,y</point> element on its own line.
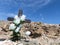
<point>16,26</point>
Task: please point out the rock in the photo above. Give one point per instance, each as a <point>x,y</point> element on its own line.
<point>20,44</point>
<point>0,29</point>
<point>7,42</point>
<point>44,34</point>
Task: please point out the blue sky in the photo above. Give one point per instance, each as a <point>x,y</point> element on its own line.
<point>47,11</point>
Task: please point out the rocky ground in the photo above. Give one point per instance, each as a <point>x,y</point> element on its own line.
<point>41,34</point>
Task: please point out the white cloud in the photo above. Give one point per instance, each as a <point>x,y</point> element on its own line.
<point>34,3</point>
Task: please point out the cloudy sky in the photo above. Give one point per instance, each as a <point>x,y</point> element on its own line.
<point>47,11</point>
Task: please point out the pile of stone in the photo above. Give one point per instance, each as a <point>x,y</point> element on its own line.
<point>39,31</point>
<point>35,28</point>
